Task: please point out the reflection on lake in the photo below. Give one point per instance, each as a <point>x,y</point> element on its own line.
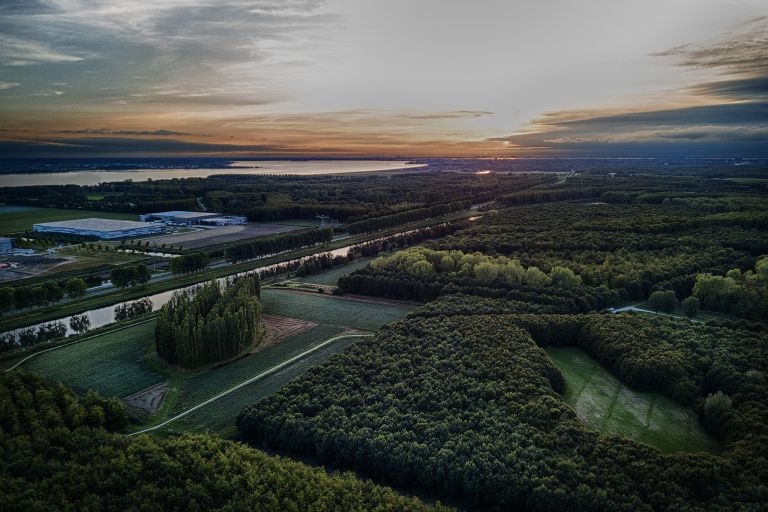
<point>304,168</point>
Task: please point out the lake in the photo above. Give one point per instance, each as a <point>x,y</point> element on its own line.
<point>303,168</point>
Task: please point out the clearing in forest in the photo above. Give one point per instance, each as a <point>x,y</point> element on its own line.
<point>605,404</point>
<point>320,308</point>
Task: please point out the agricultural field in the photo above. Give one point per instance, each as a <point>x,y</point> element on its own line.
<point>120,363</point>
<point>219,416</point>
<point>332,275</point>
<point>205,237</point>
<point>327,309</point>
<point>605,404</point>
<point>112,363</point>
<point>17,219</point>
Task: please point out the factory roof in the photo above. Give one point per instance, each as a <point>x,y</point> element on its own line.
<point>94,224</point>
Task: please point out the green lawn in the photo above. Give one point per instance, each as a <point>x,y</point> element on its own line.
<point>219,416</point>
<point>14,219</point>
<point>330,310</point>
<point>116,364</point>
<point>331,276</point>
<point>608,406</point>
<point>202,386</point>
<point>112,363</point>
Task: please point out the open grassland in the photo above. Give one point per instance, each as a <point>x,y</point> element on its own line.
<point>331,310</point>
<point>15,219</point>
<point>331,276</point>
<point>122,362</point>
<point>112,364</point>
<point>219,416</point>
<point>202,386</point>
<point>605,404</point>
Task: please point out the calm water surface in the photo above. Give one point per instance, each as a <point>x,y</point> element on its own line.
<point>305,168</point>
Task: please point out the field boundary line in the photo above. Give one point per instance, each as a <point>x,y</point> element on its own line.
<point>250,381</point>
<point>35,354</point>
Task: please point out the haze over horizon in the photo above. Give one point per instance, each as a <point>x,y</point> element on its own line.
<point>363,78</point>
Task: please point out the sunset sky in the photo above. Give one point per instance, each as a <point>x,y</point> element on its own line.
<point>384,78</point>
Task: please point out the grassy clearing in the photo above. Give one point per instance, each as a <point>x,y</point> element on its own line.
<point>327,309</point>
<point>219,417</point>
<point>123,362</point>
<point>18,220</point>
<point>331,276</point>
<point>202,386</point>
<point>605,404</point>
<point>112,364</point>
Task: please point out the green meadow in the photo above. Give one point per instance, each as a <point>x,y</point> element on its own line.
<point>605,404</point>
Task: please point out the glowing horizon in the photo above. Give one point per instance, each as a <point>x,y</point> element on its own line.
<point>364,78</point>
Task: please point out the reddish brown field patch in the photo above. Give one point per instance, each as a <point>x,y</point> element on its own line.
<point>281,327</point>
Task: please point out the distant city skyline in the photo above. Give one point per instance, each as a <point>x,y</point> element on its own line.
<point>598,78</point>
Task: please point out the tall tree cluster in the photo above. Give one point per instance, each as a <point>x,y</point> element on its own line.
<point>209,324</point>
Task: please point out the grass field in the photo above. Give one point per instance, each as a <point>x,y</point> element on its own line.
<point>330,310</point>
<point>331,276</point>
<point>117,363</point>
<point>112,364</point>
<point>608,406</point>
<point>219,416</point>
<point>202,386</point>
<point>17,219</point>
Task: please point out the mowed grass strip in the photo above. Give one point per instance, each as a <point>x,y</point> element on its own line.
<point>331,276</point>
<point>112,364</point>
<point>219,416</point>
<point>204,385</point>
<point>605,404</point>
<point>330,310</point>
<point>18,220</point>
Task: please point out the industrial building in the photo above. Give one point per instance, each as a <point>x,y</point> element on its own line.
<point>6,244</point>
<point>181,218</point>
<point>104,229</point>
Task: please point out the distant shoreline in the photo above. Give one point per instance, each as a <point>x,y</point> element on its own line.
<point>95,174</point>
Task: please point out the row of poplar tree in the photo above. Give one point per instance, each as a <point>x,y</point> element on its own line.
<point>212,324</point>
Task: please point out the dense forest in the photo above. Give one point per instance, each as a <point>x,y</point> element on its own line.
<point>629,250</point>
<point>60,452</point>
<point>470,408</point>
<point>351,198</point>
<point>210,325</point>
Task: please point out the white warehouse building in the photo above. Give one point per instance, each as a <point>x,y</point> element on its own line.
<point>104,229</point>
<point>182,218</point>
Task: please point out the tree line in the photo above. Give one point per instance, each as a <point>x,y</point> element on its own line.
<point>192,262</point>
<point>404,217</point>
<point>22,297</point>
<point>130,275</point>
<point>277,244</point>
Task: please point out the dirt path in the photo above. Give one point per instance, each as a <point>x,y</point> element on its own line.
<point>251,380</point>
